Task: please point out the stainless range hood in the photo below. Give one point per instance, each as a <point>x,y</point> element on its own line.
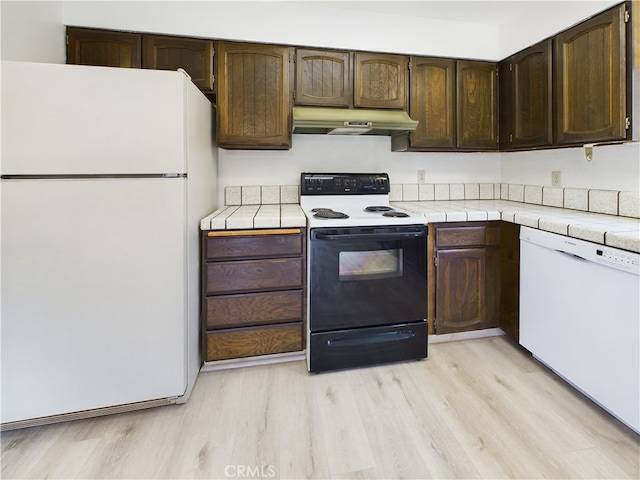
<point>348,121</point>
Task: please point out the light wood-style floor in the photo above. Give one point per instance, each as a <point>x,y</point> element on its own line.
<point>474,409</point>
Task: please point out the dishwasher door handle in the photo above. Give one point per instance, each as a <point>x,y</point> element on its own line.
<point>569,254</point>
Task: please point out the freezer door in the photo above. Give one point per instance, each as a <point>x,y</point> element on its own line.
<point>93,294</point>
<point>77,119</point>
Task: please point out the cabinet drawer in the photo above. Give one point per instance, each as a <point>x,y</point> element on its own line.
<point>226,311</point>
<point>460,236</point>
<point>253,341</point>
<point>225,245</point>
<point>254,275</point>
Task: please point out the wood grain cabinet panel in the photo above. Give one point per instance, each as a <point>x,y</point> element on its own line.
<point>103,48</point>
<point>432,102</point>
<point>225,311</point>
<point>477,102</point>
<point>380,81</point>
<point>464,277</point>
<point>253,292</point>
<point>254,275</point>
<point>460,287</point>
<point>461,236</point>
<point>526,98</point>
<point>254,106</point>
<point>323,78</point>
<point>590,80</point>
<point>253,341</point>
<point>195,56</point>
<point>510,279</point>
<point>251,246</point>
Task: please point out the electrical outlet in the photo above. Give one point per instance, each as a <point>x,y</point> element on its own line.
<point>555,179</point>
<point>421,176</point>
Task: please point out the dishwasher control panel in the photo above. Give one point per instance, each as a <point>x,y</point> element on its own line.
<point>618,258</point>
<point>580,249</point>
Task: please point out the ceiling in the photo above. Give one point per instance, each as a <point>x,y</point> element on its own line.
<point>491,12</point>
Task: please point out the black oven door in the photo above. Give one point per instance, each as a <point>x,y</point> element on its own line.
<point>367,276</point>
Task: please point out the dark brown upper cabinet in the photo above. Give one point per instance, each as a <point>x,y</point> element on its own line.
<point>477,103</point>
<point>323,78</point>
<point>526,98</point>
<point>254,107</point>
<point>331,78</point>
<point>432,102</point>
<point>380,81</point>
<point>455,103</point>
<point>193,55</point>
<point>103,48</point>
<point>590,80</point>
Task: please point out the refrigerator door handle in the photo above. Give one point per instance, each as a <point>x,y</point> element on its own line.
<point>83,176</point>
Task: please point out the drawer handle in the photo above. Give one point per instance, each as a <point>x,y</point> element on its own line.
<point>233,233</point>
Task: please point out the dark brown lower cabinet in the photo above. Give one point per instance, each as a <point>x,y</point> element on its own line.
<point>510,279</point>
<point>253,293</point>
<point>252,341</point>
<point>465,276</point>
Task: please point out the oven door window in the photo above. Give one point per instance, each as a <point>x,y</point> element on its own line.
<point>370,265</point>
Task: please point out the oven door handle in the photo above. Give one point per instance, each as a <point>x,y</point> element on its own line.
<point>369,236</point>
<point>385,337</point>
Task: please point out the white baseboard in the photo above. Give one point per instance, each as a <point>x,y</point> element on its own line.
<point>453,337</point>
<point>252,361</point>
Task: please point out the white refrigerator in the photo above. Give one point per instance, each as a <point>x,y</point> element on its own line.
<point>106,173</point>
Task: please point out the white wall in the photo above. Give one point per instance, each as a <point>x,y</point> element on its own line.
<point>544,18</point>
<point>373,154</point>
<point>613,167</point>
<point>32,31</point>
<point>292,24</point>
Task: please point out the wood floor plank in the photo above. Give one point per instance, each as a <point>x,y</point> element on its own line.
<point>479,408</point>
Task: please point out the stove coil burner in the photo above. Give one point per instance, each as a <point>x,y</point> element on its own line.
<point>378,208</point>
<point>394,213</point>
<point>328,213</point>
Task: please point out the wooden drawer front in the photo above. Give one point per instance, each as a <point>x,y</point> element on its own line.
<point>254,275</point>
<point>249,342</point>
<point>224,247</point>
<point>228,311</point>
<point>460,236</point>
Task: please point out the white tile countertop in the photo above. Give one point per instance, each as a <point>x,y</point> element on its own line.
<point>600,216</point>
<point>612,230</point>
<point>231,217</point>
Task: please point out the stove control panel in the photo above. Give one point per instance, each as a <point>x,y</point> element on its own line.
<point>344,183</point>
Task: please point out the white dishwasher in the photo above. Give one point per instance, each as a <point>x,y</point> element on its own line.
<point>580,315</point>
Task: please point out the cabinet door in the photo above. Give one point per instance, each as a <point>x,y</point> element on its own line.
<point>460,290</point>
<point>477,119</point>
<point>253,95</point>
<point>103,48</point>
<point>531,103</point>
<point>432,102</point>
<point>590,80</point>
<point>380,81</point>
<point>323,78</point>
<point>193,55</point>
